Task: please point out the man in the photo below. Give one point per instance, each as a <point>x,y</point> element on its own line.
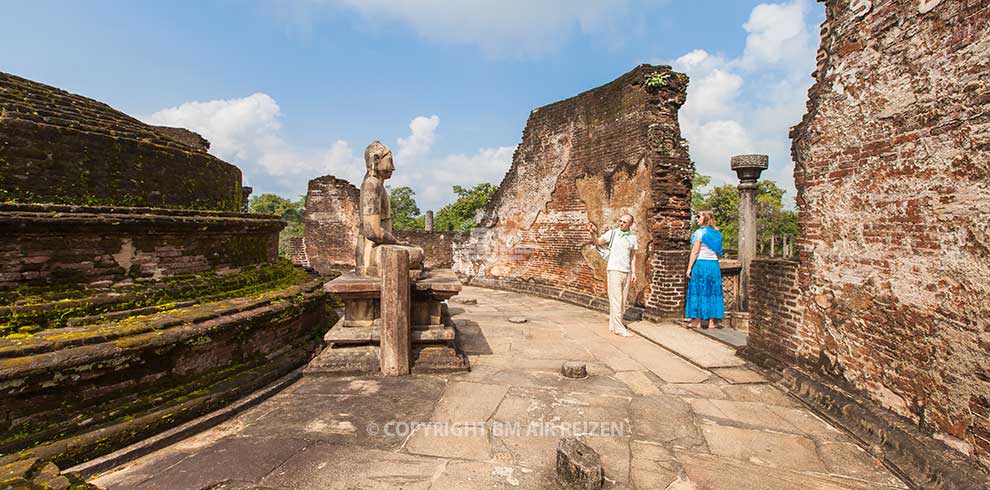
<point>621,269</point>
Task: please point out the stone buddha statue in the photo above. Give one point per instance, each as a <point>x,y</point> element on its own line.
<point>375,229</point>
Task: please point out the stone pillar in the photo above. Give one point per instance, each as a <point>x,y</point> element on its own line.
<point>395,342</point>
<point>748,168</point>
<point>429,221</point>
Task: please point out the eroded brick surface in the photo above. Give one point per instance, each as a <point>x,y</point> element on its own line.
<point>330,221</point>
<point>892,171</point>
<point>610,150</point>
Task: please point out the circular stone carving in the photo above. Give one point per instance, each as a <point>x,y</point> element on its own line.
<point>574,370</point>
<point>517,319</point>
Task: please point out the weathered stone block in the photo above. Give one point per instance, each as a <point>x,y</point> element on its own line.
<point>574,370</point>
<point>579,466</point>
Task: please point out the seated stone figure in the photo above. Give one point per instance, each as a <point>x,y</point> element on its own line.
<point>375,229</point>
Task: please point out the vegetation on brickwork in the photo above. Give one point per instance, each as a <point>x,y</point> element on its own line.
<point>28,310</point>
<point>460,214</point>
<point>771,217</point>
<point>657,80</point>
<point>288,210</point>
<point>172,391</point>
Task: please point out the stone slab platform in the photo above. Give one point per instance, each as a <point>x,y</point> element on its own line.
<point>357,432</point>
<point>365,335</point>
<point>441,283</point>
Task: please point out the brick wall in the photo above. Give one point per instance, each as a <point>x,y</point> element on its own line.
<point>61,148</point>
<point>330,224</point>
<point>437,246</point>
<point>610,150</point>
<point>774,305</point>
<point>296,250</point>
<point>60,244</point>
<point>891,172</point>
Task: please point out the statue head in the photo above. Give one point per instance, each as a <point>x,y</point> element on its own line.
<point>378,160</point>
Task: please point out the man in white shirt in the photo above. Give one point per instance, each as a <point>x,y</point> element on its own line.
<point>621,269</point>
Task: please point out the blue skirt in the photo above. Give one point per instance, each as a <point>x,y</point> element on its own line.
<point>704,291</point>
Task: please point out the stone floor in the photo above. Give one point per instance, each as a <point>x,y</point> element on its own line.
<point>689,415</point>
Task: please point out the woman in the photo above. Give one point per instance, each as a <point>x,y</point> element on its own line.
<point>704,292</point>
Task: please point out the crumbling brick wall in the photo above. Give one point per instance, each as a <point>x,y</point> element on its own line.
<point>330,222</point>
<point>52,244</point>
<point>893,160</point>
<point>61,148</point>
<point>610,150</point>
<point>437,246</point>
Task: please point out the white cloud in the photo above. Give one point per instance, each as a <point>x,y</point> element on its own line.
<point>500,28</point>
<point>247,133</point>
<point>748,104</point>
<point>236,128</point>
<point>778,34</point>
<point>713,94</point>
<point>420,138</point>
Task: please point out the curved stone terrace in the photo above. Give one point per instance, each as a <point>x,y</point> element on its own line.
<point>684,414</point>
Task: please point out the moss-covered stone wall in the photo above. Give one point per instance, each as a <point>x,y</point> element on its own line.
<point>72,394</point>
<point>99,246</point>
<point>58,147</point>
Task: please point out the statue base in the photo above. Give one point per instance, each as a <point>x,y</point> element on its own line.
<point>354,343</point>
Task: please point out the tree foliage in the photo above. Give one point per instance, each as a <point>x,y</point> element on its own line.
<point>459,215</point>
<point>288,210</point>
<point>405,212</point>
<point>771,217</point>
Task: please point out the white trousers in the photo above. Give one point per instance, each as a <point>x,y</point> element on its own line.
<point>618,288</point>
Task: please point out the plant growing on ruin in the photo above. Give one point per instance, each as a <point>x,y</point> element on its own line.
<point>657,80</point>
<point>459,215</point>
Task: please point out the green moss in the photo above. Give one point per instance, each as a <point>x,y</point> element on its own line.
<point>44,309</point>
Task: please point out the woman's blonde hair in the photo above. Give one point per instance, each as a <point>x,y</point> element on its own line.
<point>706,218</point>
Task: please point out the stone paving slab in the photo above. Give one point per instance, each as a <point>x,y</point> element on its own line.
<point>709,472</point>
<point>702,351</point>
<point>333,467</point>
<point>234,458</point>
<point>739,375</point>
<point>672,424</point>
<point>733,338</point>
<point>664,364</point>
<point>763,447</point>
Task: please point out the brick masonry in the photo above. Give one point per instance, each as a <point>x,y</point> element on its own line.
<point>891,172</point>
<point>61,148</point>
<point>330,222</point>
<point>64,244</point>
<point>91,198</point>
<point>437,246</point>
<point>610,150</point>
<point>777,315</point>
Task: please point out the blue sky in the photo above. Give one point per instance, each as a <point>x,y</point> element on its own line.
<point>290,90</point>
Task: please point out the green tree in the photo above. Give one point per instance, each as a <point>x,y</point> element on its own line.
<point>288,210</point>
<point>771,217</point>
<point>459,215</point>
<point>405,212</point>
<point>723,201</point>
<point>698,182</point>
